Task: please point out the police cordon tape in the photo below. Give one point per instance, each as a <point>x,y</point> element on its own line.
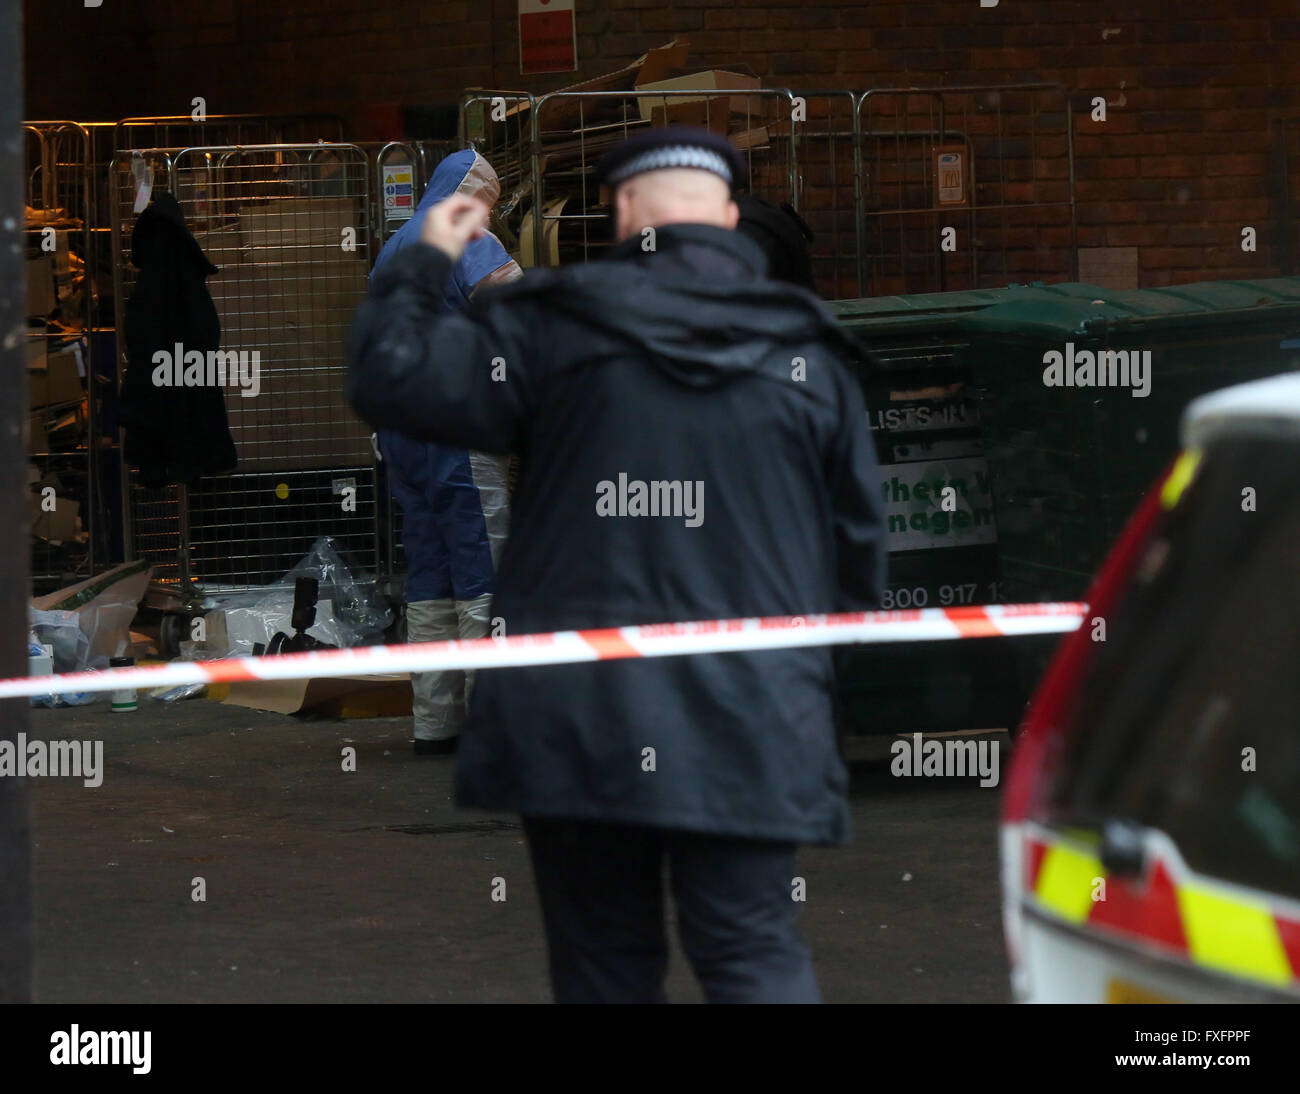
<point>570,647</point>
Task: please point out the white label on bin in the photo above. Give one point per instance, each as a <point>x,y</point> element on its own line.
<point>915,514</point>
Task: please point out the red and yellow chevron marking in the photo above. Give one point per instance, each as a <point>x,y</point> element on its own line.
<point>1213,926</point>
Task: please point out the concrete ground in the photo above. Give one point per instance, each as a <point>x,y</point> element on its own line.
<point>369,886</point>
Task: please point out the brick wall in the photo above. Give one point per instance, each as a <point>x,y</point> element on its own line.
<point>1179,167</point>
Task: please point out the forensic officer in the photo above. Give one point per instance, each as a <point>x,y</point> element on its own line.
<point>454,505</point>
<point>674,369</point>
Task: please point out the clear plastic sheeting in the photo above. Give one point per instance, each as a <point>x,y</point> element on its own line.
<point>171,693</point>
<point>60,633</point>
<point>360,610</point>
<point>350,611</point>
<point>103,607</point>
<point>62,630</point>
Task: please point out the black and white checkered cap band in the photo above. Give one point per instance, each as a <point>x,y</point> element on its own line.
<point>676,155</point>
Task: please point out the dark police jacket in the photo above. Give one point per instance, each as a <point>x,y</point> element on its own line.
<point>692,447</point>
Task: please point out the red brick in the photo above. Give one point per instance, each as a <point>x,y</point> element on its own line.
<point>1016,60</point>
<point>1110,212</point>
<point>731,18</point>
<point>1123,167</point>
<point>1118,120</point>
<point>1119,144</point>
<point>1171,257</point>
<point>1248,140</point>
<point>718,43</point>
<point>1255,165</point>
<point>1038,34</point>
<point>673,21</point>
<point>875,15</point>
<point>804,17</point>
<point>1172,166</point>
<point>1227,187</point>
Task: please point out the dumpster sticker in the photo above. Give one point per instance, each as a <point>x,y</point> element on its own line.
<point>938,503</point>
<point>399,191</point>
<point>917,415</point>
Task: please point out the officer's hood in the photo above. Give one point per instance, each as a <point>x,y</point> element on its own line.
<point>700,303</point>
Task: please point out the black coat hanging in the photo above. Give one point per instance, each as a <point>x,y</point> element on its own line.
<point>173,433</point>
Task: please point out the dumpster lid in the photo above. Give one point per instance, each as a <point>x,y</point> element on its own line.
<point>1077,308</point>
<point>931,303</point>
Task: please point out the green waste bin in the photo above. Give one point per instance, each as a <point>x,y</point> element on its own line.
<point>925,422</point>
<point>955,391</point>
<point>1069,464</point>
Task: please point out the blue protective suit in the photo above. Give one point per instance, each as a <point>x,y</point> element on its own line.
<point>447,538</point>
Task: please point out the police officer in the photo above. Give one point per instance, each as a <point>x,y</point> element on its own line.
<point>692,447</point>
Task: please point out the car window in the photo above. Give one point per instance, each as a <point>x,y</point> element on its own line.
<point>1189,718</point>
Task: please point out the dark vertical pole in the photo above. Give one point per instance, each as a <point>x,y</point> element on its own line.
<point>15,820</point>
<point>1281,170</point>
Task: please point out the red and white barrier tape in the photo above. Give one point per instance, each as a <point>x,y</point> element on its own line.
<point>568,647</point>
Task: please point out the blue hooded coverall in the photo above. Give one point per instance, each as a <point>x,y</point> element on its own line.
<point>453,501</point>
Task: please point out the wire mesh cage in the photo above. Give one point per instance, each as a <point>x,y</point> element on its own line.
<point>69,195</point>
<point>62,310</point>
<point>545,151</point>
<point>397,188</point>
<point>966,187</point>
<point>905,190</point>
<point>290,228</point>
<point>878,175</point>
<point>824,151</point>
<point>402,171</point>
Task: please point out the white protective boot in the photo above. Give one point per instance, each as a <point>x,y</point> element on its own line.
<point>438,707</point>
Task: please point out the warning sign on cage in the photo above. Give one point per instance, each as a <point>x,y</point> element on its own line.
<point>547,37</point>
<point>950,175</point>
<point>399,191</point>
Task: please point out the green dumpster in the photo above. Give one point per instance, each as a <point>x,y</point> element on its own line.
<point>1044,476</point>
<point>925,420</point>
<point>1080,392</point>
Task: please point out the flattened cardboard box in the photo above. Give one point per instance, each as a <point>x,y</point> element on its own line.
<point>58,381</point>
<point>41,296</point>
<point>37,442</point>
<point>371,696</point>
<point>707,81</point>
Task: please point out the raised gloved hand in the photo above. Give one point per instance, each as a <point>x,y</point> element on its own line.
<point>453,223</point>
